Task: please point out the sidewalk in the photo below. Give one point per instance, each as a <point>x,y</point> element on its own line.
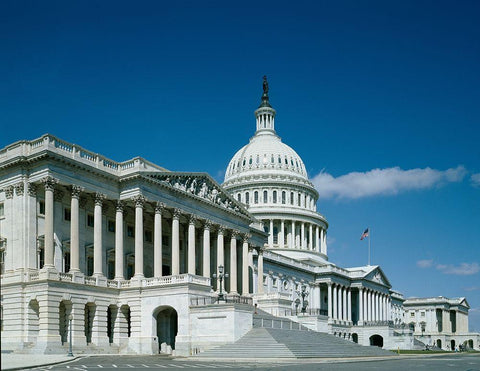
<point>21,361</point>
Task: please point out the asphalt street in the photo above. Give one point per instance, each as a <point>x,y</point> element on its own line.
<point>464,362</point>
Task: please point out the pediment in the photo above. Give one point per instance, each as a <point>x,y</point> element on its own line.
<point>202,186</point>
<point>377,276</point>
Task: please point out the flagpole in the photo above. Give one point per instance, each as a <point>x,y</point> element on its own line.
<point>369,238</point>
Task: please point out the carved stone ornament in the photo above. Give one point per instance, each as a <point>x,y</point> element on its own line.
<point>177,213</point>
<point>192,219</point>
<point>159,207</point>
<point>221,229</point>
<point>139,200</point>
<point>207,224</point>
<point>235,234</point>
<point>246,237</point>
<point>9,192</point>
<point>76,190</point>
<point>49,183</point>
<point>58,195</point>
<point>99,198</point>
<point>120,206</point>
<point>19,188</point>
<point>32,189</point>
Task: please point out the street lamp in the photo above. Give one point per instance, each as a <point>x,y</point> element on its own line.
<point>303,294</point>
<point>220,276</point>
<point>70,353</point>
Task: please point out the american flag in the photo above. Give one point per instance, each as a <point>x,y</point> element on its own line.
<point>364,234</point>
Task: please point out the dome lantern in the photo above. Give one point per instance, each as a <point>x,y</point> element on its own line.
<point>265,114</point>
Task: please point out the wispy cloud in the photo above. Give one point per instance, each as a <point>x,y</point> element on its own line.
<point>464,269</point>
<point>389,181</point>
<point>424,263</point>
<point>475,179</point>
<point>472,288</point>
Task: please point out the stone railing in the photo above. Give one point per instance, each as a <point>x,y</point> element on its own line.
<point>208,300</point>
<point>65,277</point>
<point>278,323</point>
<point>177,279</point>
<point>51,143</point>
<point>34,276</point>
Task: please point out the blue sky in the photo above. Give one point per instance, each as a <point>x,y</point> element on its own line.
<point>380,99</point>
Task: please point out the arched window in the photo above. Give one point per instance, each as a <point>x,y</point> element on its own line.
<point>284,196</point>
<point>258,159</point>
<point>255,197</point>
<point>247,198</point>
<point>291,198</point>
<point>279,159</point>
<point>250,161</point>
<point>239,197</point>
<point>299,198</point>
<point>244,161</point>
<point>274,197</point>
<point>272,160</point>
<point>286,160</point>
<point>265,197</point>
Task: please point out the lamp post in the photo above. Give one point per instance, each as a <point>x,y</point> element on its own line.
<point>70,353</point>
<point>220,276</point>
<point>303,294</point>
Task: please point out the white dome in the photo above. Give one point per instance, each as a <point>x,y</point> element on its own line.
<point>266,154</point>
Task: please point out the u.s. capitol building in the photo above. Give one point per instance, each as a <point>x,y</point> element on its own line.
<point>128,257</point>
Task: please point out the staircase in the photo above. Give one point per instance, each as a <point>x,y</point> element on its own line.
<point>276,340</point>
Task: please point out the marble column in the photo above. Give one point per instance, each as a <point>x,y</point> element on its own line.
<point>119,241</point>
<point>49,184</point>
<point>302,236</point>
<point>365,305</point>
<point>75,230</point>
<point>377,306</point>
<point>270,237</point>
<point>335,312</point>
<point>157,240</point>
<point>317,239</point>
<point>191,244</point>
<point>97,236</point>
<point>369,310</point>
<point>316,295</point>
<point>294,235</point>
<point>233,263</point>
<point>349,304</point>
<point>176,242</point>
<point>260,271</point>
<point>329,294</point>
<point>220,252</point>
<point>310,237</point>
<point>281,238</point>
<point>321,241</point>
<point>343,299</point>
<point>206,248</point>
<point>245,275</point>
<point>360,305</point>
<point>139,201</point>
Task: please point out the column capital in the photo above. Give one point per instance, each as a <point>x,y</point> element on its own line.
<point>32,189</point>
<point>192,219</point>
<point>235,234</point>
<point>221,229</point>
<point>176,213</point>
<point>19,188</point>
<point>76,190</point>
<point>49,183</point>
<point>246,237</point>
<point>207,225</point>
<point>99,198</point>
<point>139,200</point>
<point>120,206</point>
<point>9,191</point>
<point>159,207</point>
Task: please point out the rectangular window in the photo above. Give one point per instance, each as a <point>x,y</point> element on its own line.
<point>2,260</point>
<point>422,314</point>
<point>148,236</point>
<point>89,265</point>
<point>90,220</point>
<point>66,262</point>
<point>111,226</point>
<point>412,314</point>
<point>2,209</point>
<point>41,207</point>
<point>67,214</point>
<point>130,231</point>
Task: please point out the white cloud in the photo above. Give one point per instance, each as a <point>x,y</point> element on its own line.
<point>464,269</point>
<point>472,288</point>
<point>475,179</point>
<point>388,181</point>
<point>424,263</point>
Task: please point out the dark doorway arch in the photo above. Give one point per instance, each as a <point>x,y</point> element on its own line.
<point>470,344</point>
<point>376,340</point>
<point>452,344</point>
<point>167,328</point>
<point>355,338</point>
<point>439,343</point>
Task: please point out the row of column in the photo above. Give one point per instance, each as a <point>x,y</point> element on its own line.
<point>373,306</point>
<point>139,202</point>
<point>339,302</point>
<point>299,240</point>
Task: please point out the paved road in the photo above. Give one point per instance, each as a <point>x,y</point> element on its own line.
<point>451,362</point>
